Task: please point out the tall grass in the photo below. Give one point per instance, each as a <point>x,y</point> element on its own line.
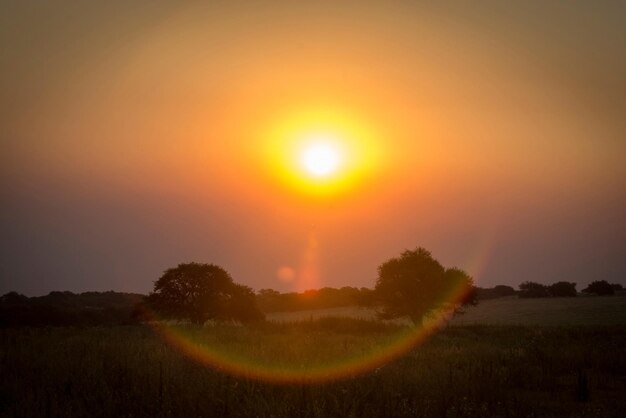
<point>469,371</point>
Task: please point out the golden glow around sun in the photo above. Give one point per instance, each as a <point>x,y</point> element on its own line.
<point>321,152</point>
<point>321,156</point>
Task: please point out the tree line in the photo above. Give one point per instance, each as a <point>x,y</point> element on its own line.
<point>530,289</point>
<point>69,309</point>
<point>412,285</point>
<point>271,300</point>
<point>567,289</point>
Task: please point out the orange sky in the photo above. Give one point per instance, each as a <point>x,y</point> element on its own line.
<point>138,137</point>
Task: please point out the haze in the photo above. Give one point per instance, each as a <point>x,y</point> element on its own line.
<point>137,136</point>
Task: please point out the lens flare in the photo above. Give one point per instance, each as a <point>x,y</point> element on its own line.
<point>248,364</point>
<point>285,274</point>
<point>308,271</point>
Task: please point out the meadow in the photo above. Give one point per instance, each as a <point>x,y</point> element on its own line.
<point>582,310</point>
<point>463,370</point>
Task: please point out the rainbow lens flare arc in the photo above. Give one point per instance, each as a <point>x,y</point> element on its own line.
<point>183,339</point>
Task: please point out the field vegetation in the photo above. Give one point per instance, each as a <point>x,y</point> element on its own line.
<point>463,370</point>
<point>580,311</point>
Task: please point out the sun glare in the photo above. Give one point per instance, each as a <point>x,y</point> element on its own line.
<point>320,157</point>
<point>321,152</point>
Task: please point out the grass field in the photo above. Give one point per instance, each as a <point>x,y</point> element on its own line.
<point>461,371</point>
<point>586,311</point>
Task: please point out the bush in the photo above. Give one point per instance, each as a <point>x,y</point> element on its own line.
<point>600,288</point>
<point>563,289</point>
<point>533,290</point>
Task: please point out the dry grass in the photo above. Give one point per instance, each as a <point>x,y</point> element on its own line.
<point>584,310</point>
<point>469,371</point>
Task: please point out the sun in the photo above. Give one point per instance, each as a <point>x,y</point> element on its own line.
<point>321,156</point>
<point>322,152</point>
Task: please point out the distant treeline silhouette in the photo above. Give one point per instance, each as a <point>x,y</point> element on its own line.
<point>115,308</point>
<point>69,309</point>
<point>498,291</point>
<point>270,300</point>
<point>567,289</point>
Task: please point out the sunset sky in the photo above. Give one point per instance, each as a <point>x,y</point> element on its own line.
<point>135,136</point>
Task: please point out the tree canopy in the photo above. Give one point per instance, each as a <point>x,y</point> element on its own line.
<point>200,292</point>
<point>600,288</point>
<point>533,290</point>
<point>415,284</point>
<point>562,289</point>
<point>270,300</point>
<point>68,309</point>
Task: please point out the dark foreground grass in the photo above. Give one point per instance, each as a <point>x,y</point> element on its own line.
<point>470,371</point>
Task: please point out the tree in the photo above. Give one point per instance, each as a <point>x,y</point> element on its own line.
<point>458,280</point>
<point>600,288</point>
<point>13,298</point>
<point>366,298</point>
<point>502,290</point>
<point>242,305</point>
<point>415,284</point>
<point>562,289</point>
<point>199,292</point>
<point>533,290</point>
<point>498,291</point>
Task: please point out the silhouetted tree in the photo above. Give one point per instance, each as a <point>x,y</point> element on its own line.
<point>533,290</point>
<point>242,306</point>
<point>562,289</point>
<point>498,291</point>
<point>600,287</point>
<point>199,292</point>
<point>270,300</point>
<point>617,287</point>
<point>366,298</point>
<point>67,308</point>
<point>461,284</point>
<point>13,298</point>
<point>503,290</point>
<point>415,284</point>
